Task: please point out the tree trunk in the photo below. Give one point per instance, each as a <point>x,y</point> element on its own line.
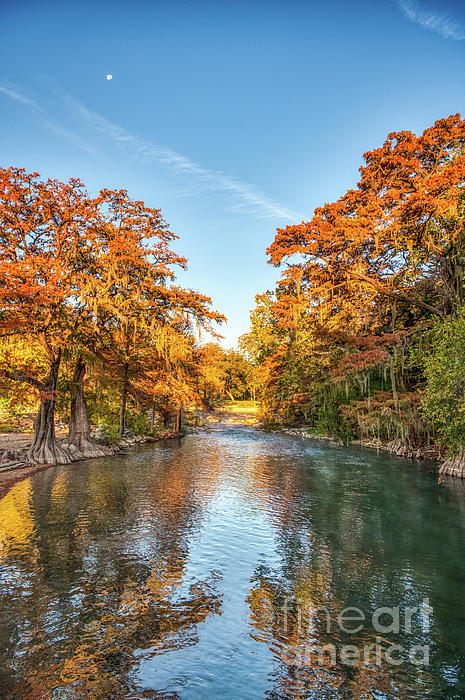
<point>178,424</point>
<point>44,448</point>
<point>79,426</point>
<point>454,466</point>
<point>124,395</point>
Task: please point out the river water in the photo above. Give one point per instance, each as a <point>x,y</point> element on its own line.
<point>222,566</point>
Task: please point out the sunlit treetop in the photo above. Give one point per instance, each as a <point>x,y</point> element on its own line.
<point>401,225</point>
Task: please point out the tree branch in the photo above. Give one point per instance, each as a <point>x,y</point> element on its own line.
<point>20,377</point>
<point>396,295</point>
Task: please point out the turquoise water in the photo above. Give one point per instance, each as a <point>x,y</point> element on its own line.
<point>219,566</point>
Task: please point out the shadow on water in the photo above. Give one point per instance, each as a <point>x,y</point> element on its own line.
<point>219,566</point>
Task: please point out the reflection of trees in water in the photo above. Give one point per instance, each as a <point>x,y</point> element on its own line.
<point>93,567</point>
<point>95,572</point>
<point>157,616</point>
<point>351,539</point>
<point>292,636</point>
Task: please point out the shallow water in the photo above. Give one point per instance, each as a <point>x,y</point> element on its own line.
<point>217,566</point>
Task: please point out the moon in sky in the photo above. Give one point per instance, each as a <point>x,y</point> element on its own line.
<point>109,76</point>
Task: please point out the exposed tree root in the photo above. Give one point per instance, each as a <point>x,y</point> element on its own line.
<point>454,467</point>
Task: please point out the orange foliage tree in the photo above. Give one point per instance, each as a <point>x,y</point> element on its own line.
<point>366,274</point>
<point>43,252</point>
<point>78,273</point>
<point>399,235</point>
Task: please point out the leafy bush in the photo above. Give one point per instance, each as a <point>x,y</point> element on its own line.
<point>109,430</point>
<point>443,403</point>
<point>138,424</point>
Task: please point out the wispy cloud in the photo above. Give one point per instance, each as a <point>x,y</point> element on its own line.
<point>242,196</point>
<point>46,118</point>
<point>434,20</point>
<point>246,196</point>
<point>19,97</point>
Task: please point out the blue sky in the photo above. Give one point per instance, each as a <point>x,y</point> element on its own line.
<point>232,117</point>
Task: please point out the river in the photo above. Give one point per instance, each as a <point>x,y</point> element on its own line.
<point>223,566</point>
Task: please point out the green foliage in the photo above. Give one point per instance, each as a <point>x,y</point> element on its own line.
<point>12,410</point>
<point>7,412</point>
<point>330,420</point>
<point>237,375</point>
<point>138,423</point>
<point>109,431</point>
<point>264,335</point>
<point>443,403</point>
<point>103,404</point>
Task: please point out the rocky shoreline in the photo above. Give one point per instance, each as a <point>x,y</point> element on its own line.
<point>14,465</point>
<point>14,448</point>
<point>398,448</point>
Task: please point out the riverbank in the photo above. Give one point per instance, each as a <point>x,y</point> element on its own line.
<point>14,445</point>
<point>429,453</point>
<point>15,467</point>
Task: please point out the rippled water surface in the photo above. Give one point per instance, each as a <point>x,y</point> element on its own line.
<point>217,567</point>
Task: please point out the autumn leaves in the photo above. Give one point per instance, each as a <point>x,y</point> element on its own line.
<point>363,282</point>
<point>89,278</point>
